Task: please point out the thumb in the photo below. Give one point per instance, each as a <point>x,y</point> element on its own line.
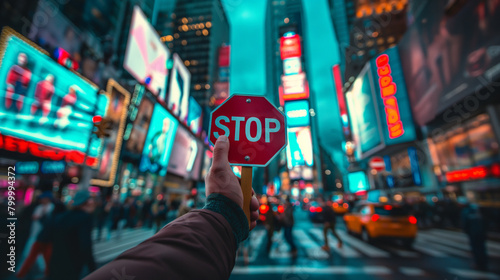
<point>221,151</point>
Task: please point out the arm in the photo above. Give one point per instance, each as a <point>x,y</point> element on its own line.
<point>201,244</point>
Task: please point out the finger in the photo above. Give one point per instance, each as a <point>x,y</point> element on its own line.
<point>221,151</point>
<point>253,225</point>
<point>254,204</point>
<point>254,216</point>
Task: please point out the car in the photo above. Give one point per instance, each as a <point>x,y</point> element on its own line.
<point>340,207</point>
<point>316,212</point>
<point>374,221</point>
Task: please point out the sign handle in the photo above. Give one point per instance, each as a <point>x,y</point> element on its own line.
<point>246,188</point>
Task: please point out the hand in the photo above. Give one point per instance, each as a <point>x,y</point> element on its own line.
<point>221,180</point>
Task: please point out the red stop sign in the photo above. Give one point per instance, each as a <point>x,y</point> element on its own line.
<point>255,128</point>
<point>377,163</point>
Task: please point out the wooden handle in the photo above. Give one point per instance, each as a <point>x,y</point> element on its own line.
<point>246,188</point>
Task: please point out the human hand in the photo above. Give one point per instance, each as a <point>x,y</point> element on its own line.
<point>221,180</point>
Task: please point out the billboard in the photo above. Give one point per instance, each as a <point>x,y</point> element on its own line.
<point>450,54</point>
<point>46,109</point>
<point>224,56</point>
<point>297,113</point>
<point>146,56</point>
<point>290,46</point>
<point>135,143</point>
<point>195,114</point>
<point>357,181</point>
<point>116,112</point>
<point>299,149</point>
<point>159,142</point>
<point>178,92</point>
<point>364,118</point>
<point>292,66</point>
<point>184,154</point>
<point>221,93</point>
<point>392,98</point>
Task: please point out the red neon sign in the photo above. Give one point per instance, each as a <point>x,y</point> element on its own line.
<point>14,144</point>
<point>388,91</point>
<point>290,47</point>
<point>474,173</point>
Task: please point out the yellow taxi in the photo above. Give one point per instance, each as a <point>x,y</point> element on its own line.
<point>340,207</point>
<point>373,221</point>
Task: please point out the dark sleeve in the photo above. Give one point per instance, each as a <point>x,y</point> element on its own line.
<point>199,245</point>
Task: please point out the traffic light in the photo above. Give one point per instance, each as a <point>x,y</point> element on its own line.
<point>102,127</point>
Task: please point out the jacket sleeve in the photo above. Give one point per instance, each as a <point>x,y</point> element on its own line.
<point>200,245</point>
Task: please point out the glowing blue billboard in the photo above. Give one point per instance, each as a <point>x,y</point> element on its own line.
<point>357,181</point>
<point>299,149</point>
<point>159,142</point>
<point>297,113</point>
<point>194,116</point>
<point>45,106</point>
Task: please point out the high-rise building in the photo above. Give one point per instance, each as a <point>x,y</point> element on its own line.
<point>195,31</point>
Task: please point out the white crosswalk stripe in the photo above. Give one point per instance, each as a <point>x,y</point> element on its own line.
<point>411,271</point>
<point>461,238</point>
<point>473,274</point>
<point>361,246</point>
<point>423,247</point>
<point>460,244</point>
<point>346,251</point>
<point>256,239</point>
<point>312,249</point>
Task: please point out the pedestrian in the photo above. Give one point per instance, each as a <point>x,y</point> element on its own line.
<point>475,227</point>
<point>199,245</point>
<point>287,223</point>
<point>270,224</point>
<point>330,221</point>
<point>186,206</point>
<point>146,213</point>
<point>71,240</point>
<point>160,212</point>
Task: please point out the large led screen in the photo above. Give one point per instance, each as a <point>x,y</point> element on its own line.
<point>146,56</point>
<point>135,143</point>
<point>357,182</point>
<point>297,113</point>
<point>178,92</point>
<point>116,112</point>
<point>448,53</point>
<point>184,154</point>
<point>194,116</point>
<point>159,142</point>
<point>45,104</point>
<point>299,149</point>
<point>364,119</point>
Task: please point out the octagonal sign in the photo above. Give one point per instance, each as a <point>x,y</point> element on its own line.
<point>255,128</point>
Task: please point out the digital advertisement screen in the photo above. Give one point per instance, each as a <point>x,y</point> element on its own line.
<point>116,112</point>
<point>194,116</point>
<point>447,55</point>
<point>290,46</point>
<point>357,182</point>
<point>361,106</point>
<point>135,143</point>
<point>207,162</point>
<point>45,104</point>
<point>146,56</point>
<point>178,93</point>
<point>292,66</point>
<point>392,98</point>
<point>159,142</point>
<point>184,154</point>
<point>297,113</point>
<point>299,149</point>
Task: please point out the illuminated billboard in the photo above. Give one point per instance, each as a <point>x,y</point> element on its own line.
<point>146,56</point>
<point>358,181</point>
<point>290,46</point>
<point>194,116</point>
<point>299,149</point>
<point>178,92</point>
<point>137,138</point>
<point>221,93</point>
<point>364,118</point>
<point>292,66</point>
<point>116,112</point>
<point>159,142</point>
<point>46,110</point>
<point>392,98</point>
<point>297,113</point>
<point>184,154</point>
<point>224,56</point>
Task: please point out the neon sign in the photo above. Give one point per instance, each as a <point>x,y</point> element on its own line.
<point>474,173</point>
<point>290,46</point>
<point>388,91</point>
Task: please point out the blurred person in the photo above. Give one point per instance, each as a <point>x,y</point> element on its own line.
<point>146,215</point>
<point>18,79</point>
<point>475,227</point>
<point>43,98</point>
<point>71,236</point>
<point>100,216</point>
<point>186,206</point>
<point>288,222</point>
<point>115,213</point>
<point>66,108</point>
<point>160,212</point>
<point>199,245</point>
<point>270,223</point>
<point>330,220</point>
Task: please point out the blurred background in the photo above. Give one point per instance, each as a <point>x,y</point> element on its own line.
<point>393,119</point>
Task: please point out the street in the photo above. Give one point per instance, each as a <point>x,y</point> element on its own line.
<point>436,254</point>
